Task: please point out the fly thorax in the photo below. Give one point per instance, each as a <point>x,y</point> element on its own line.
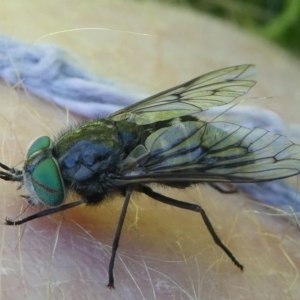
<point>86,161</point>
<point>42,176</point>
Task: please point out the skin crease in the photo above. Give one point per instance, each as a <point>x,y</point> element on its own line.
<point>164,252</point>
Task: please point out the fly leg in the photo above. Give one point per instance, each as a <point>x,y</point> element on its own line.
<point>117,239</point>
<point>44,213</point>
<point>193,207</point>
<point>12,174</point>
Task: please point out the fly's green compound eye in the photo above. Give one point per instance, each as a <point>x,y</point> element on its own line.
<point>47,182</point>
<point>40,143</point>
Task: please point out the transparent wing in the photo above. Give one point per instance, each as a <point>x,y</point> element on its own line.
<point>201,152</point>
<point>213,89</point>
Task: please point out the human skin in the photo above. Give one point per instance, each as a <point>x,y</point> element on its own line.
<point>164,252</point>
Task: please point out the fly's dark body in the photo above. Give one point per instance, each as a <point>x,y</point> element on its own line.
<point>155,141</point>
<point>90,155</point>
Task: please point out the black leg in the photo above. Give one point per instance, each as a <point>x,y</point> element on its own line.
<point>12,174</point>
<point>10,170</point>
<point>44,213</point>
<point>193,207</point>
<point>10,177</point>
<point>116,239</point>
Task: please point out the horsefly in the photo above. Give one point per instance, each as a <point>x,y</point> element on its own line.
<point>157,140</point>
